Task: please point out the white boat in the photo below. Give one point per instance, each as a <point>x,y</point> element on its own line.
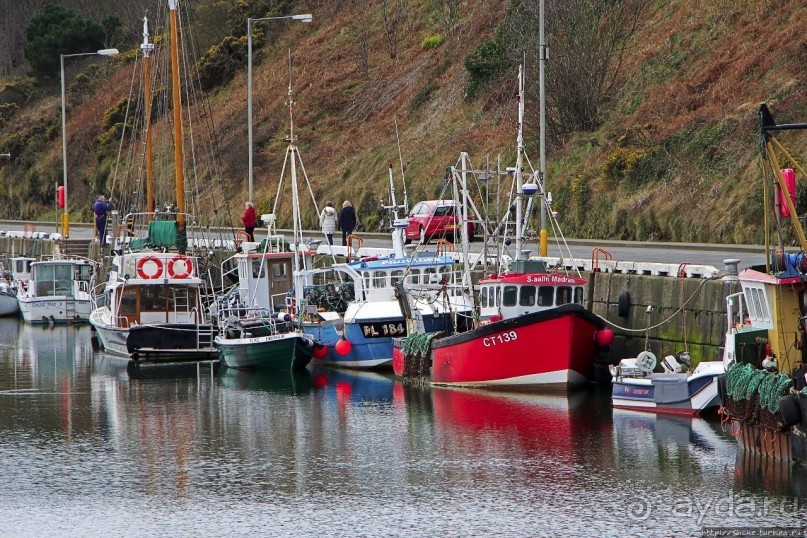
<point>9,305</point>
<point>55,290</point>
<point>678,390</point>
<point>151,307</point>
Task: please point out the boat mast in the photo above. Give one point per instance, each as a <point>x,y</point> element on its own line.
<point>292,156</point>
<point>177,101</point>
<point>519,164</point>
<point>147,47</point>
<point>543,56</point>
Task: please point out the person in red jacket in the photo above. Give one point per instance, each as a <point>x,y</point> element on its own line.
<point>250,220</point>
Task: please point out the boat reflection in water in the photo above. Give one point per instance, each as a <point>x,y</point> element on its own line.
<point>280,382</point>
<point>354,385</point>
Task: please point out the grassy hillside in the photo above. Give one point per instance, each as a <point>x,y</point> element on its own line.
<point>675,158</point>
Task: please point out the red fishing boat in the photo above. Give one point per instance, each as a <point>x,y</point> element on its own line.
<point>533,331</point>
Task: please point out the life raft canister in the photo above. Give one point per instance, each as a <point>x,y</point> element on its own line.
<point>141,271</point>
<point>185,269</point>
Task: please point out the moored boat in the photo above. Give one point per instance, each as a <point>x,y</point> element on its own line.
<point>763,393</point>
<point>56,290</point>
<point>634,385</point>
<point>532,331</point>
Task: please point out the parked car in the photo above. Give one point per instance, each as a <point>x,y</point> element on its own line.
<point>435,218</point>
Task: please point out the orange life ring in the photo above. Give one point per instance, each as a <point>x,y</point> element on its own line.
<point>188,266</point>
<point>143,274</point>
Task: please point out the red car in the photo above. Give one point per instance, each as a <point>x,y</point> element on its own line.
<point>435,218</point>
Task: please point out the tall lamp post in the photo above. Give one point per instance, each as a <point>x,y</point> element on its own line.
<point>303,18</point>
<point>102,52</point>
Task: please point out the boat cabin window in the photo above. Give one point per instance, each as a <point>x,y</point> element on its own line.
<point>484,297</point>
<point>53,280</point>
<point>366,277</point>
<point>414,276</point>
<point>22,266</point>
<point>757,307</point>
<point>84,272</point>
<point>546,295</point>
<point>258,269</point>
<point>430,275</point>
<point>164,298</point>
<point>578,295</point>
<point>526,296</point>
<point>498,296</point>
<point>396,276</point>
<point>279,270</point>
<point>564,295</point>
<point>509,296</point>
<point>380,279</point>
<point>128,302</point>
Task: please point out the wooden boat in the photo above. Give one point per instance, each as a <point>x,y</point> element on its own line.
<point>56,290</point>
<point>151,309</point>
<point>762,394</point>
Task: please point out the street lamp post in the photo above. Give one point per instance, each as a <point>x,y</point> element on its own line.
<point>303,18</point>
<point>102,52</point>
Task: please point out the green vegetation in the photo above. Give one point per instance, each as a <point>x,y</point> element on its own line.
<point>432,42</point>
<point>59,30</point>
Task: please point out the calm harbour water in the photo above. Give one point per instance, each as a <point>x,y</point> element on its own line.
<point>88,450</point>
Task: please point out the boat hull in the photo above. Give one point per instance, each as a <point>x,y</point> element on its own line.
<point>8,304</point>
<point>290,351</point>
<point>553,348</point>
<point>666,395</point>
<point>55,309</point>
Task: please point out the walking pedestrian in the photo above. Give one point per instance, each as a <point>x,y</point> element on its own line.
<point>328,221</point>
<point>347,220</point>
<point>101,208</point>
<point>250,220</point>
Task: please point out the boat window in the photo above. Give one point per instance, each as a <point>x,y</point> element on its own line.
<point>578,294</point>
<point>427,275</point>
<point>498,295</point>
<point>279,270</point>
<point>415,276</point>
<point>128,301</point>
<point>484,299</point>
<point>380,279</point>
<point>526,296</point>
<point>510,294</point>
<point>63,279</point>
<point>43,275</point>
<point>396,277</point>
<point>763,306</point>
<point>366,276</point>
<point>258,269</point>
<point>21,266</point>
<point>564,295</point>
<point>84,272</point>
<point>545,295</point>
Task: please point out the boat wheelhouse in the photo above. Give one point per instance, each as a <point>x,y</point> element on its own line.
<point>358,314</point>
<point>151,307</point>
<point>56,290</point>
<point>513,295</point>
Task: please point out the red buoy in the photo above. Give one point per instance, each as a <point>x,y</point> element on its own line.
<point>343,346</point>
<point>320,351</point>
<point>605,337</point>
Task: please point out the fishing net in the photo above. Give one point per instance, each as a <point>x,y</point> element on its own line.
<point>331,297</point>
<point>417,360</point>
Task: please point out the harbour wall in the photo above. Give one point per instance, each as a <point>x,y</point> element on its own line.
<point>662,314</point>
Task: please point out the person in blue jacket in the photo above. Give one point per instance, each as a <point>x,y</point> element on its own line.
<point>101,208</point>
